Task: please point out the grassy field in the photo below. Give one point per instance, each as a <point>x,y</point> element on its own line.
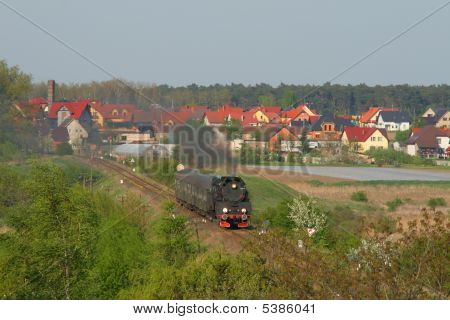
<point>266,193</point>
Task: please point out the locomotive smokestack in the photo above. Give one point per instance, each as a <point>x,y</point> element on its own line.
<point>50,93</point>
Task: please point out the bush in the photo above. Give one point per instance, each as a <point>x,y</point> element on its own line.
<point>360,196</point>
<point>391,156</point>
<point>64,149</point>
<point>436,202</point>
<point>306,214</point>
<point>392,205</point>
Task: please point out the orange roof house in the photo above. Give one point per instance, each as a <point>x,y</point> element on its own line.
<point>300,113</point>
<point>118,113</point>
<point>284,140</point>
<point>216,118</point>
<point>369,117</point>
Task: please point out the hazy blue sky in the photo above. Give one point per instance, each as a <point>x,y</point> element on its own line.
<point>207,41</point>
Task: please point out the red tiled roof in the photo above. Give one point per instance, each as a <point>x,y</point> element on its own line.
<point>361,134</point>
<point>293,113</point>
<point>273,116</point>
<point>236,115</point>
<point>75,108</point>
<point>216,116</point>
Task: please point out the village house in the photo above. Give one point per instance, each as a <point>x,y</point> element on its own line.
<point>300,113</point>
<point>284,140</point>
<point>216,118</point>
<point>439,118</point>
<point>364,139</point>
<point>369,117</point>
<point>77,133</point>
<point>393,120</point>
<point>78,110</point>
<point>328,127</point>
<point>112,115</point>
<point>429,142</point>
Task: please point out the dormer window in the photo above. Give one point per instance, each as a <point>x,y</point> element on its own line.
<point>115,112</point>
<point>124,113</point>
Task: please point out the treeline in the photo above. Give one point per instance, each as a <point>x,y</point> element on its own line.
<point>59,240</point>
<point>330,97</point>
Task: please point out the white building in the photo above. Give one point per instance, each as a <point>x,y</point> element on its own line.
<point>393,121</point>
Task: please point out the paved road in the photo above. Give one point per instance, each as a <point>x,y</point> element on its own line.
<point>367,173</point>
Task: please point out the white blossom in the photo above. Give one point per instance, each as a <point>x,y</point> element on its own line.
<point>306,215</point>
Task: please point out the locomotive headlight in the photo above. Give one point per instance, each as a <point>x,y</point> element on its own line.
<point>224,217</point>
<point>234,186</point>
<point>244,217</point>
<point>224,210</point>
<point>243,210</point>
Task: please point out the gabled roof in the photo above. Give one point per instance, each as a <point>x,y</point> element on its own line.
<point>293,113</point>
<point>367,115</point>
<point>425,138</point>
<point>76,108</point>
<point>394,116</point>
<point>358,134</point>
<point>106,110</point>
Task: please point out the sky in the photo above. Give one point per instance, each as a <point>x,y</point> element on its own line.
<point>206,42</point>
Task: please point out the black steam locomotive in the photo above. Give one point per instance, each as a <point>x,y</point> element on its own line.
<point>223,198</point>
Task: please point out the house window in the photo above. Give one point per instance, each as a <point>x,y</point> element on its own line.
<point>115,112</point>
<point>373,138</point>
<point>380,139</point>
<point>124,113</point>
<point>439,140</point>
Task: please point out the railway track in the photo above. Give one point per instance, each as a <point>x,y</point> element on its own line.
<point>140,182</point>
<point>164,192</point>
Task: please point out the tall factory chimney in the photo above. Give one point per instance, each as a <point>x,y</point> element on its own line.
<point>50,93</point>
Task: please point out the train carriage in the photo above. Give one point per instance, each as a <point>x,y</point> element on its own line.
<point>224,198</point>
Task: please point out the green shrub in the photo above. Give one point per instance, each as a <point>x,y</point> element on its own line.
<point>360,196</point>
<point>436,202</point>
<point>391,156</point>
<point>393,204</point>
<point>64,149</point>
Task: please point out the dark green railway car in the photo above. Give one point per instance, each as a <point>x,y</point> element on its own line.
<point>223,198</point>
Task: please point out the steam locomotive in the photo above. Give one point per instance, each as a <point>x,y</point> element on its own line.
<point>223,198</point>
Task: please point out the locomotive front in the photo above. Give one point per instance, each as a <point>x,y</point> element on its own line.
<point>232,205</point>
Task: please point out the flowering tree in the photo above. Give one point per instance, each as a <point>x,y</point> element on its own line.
<point>306,214</point>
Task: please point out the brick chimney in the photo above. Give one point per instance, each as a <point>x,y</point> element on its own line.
<point>50,93</point>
